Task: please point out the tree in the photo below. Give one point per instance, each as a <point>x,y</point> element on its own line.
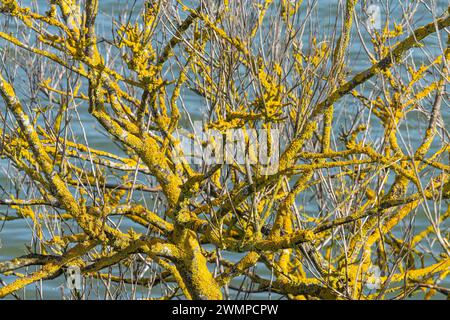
<point>336,218</point>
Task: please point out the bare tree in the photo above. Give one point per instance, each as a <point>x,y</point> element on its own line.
<point>317,164</point>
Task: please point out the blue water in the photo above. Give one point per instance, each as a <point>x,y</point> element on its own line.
<point>16,235</point>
